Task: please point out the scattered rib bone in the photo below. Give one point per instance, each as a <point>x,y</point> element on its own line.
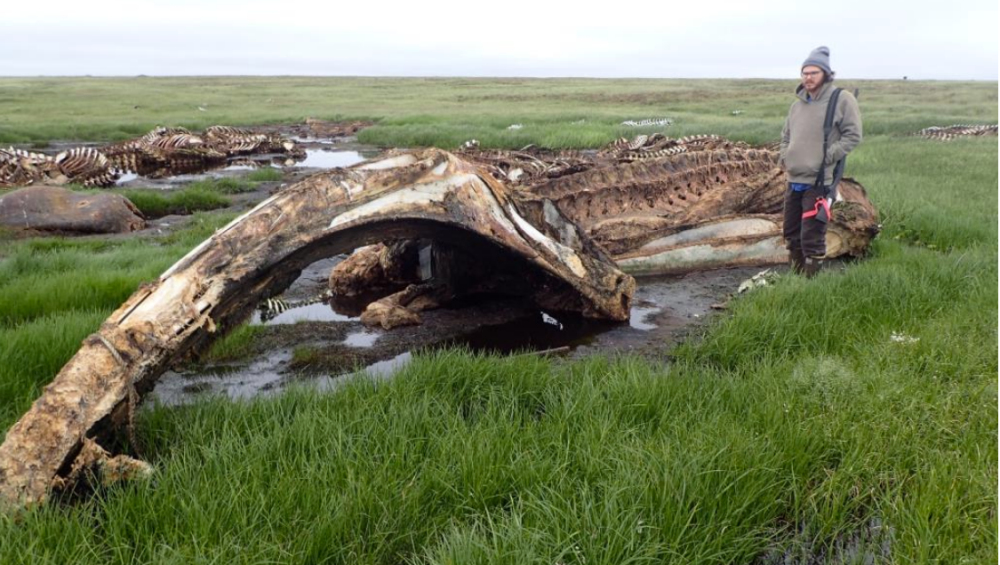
<point>159,153</point>
<point>83,165</point>
<point>958,130</point>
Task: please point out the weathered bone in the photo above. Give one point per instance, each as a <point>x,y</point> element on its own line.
<point>161,152</point>
<point>625,206</point>
<point>429,194</point>
<point>83,165</point>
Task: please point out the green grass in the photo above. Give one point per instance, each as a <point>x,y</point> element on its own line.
<point>266,174</point>
<point>794,420</point>
<point>445,112</point>
<point>225,185</point>
<point>235,345</point>
<point>155,204</point>
<point>207,194</point>
<point>55,291</point>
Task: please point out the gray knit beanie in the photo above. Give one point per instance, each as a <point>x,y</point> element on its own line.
<point>820,57</point>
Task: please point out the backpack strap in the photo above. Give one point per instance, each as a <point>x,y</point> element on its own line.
<point>831,109</point>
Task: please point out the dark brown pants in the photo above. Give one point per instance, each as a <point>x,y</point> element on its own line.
<point>809,234</point>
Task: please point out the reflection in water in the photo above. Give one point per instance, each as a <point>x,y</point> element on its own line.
<point>322,159</point>
<point>381,370</point>
<point>262,375</point>
<point>664,308</point>
<point>189,171</point>
<point>321,312</point>
<point>533,333</point>
<point>361,339</point>
<point>637,318</point>
<point>388,367</point>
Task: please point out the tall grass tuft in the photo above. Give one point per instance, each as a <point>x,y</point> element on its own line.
<point>156,204</point>
<point>266,174</point>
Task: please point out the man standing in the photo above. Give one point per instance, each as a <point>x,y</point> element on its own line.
<point>811,171</point>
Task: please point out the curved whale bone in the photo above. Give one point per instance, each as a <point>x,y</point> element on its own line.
<point>428,194</point>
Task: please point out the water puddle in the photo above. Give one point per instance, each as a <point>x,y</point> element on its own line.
<point>637,318</point>
<point>323,159</point>
<point>331,345</point>
<point>380,370</point>
<point>304,140</point>
<point>320,312</point>
<point>872,543</point>
<point>361,339</point>
<point>190,174</point>
<point>389,367</point>
<point>537,332</point>
<point>315,158</point>
<point>260,376</point>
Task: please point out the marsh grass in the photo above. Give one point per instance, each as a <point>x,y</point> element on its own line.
<point>266,174</point>
<point>473,458</point>
<point>795,419</point>
<point>156,204</point>
<point>225,185</point>
<point>201,195</point>
<point>56,291</point>
<point>445,112</point>
<point>235,345</point>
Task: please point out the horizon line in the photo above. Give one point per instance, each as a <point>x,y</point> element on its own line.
<point>904,78</point>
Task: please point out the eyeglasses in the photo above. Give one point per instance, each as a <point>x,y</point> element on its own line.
<point>811,74</point>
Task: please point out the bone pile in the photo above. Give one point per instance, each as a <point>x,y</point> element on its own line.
<point>527,164</point>
<point>648,122</point>
<point>161,152</point>
<point>567,243</point>
<point>166,151</point>
<point>657,145</point>
<point>959,130</point>
<point>531,164</point>
<point>82,165</point>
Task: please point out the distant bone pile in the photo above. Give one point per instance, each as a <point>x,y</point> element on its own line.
<point>955,131</point>
<point>529,164</point>
<point>160,152</point>
<point>648,122</point>
<point>657,145</point>
<point>83,165</point>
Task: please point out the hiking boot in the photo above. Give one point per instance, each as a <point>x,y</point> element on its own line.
<point>796,261</point>
<point>812,267</point>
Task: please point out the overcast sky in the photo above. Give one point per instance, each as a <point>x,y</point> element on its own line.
<point>921,39</point>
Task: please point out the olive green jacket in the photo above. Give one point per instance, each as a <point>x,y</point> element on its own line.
<point>802,136</point>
